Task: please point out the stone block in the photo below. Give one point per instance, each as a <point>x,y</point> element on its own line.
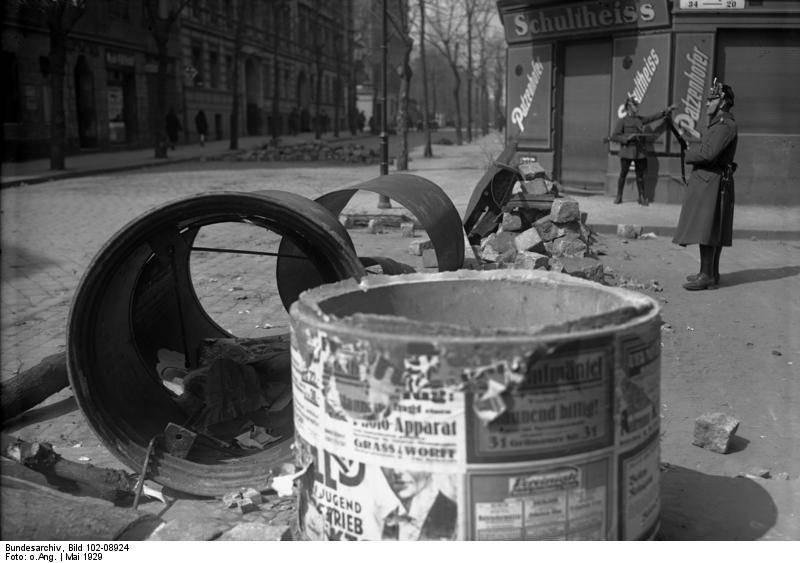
<point>507,257</point>
<point>511,222</point>
<point>537,186</point>
<point>629,231</point>
<point>565,209</point>
<point>571,230</point>
<point>546,228</point>
<point>407,230</point>
<point>429,259</point>
<point>529,240</point>
<point>715,431</point>
<point>571,248</point>
<point>555,265</point>
<point>586,268</point>
<point>417,247</point>
<point>531,261</point>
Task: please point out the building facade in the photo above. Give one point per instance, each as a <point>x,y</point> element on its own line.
<point>570,67</point>
<point>293,55</point>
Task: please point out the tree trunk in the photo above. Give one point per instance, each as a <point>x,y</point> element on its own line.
<point>402,113</point>
<point>426,128</point>
<point>161,97</point>
<point>58,125</point>
<point>276,104</point>
<point>457,100</point>
<point>469,75</point>
<point>237,50</point>
<point>29,388</point>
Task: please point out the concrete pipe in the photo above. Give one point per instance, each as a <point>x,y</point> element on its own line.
<point>137,297</point>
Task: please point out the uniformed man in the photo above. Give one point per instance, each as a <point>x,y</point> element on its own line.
<point>707,212</point>
<point>630,133</point>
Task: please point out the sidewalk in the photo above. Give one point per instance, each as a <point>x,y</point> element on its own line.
<point>87,164</point>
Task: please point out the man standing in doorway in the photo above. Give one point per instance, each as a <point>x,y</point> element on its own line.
<point>631,135</point>
<point>707,212</point>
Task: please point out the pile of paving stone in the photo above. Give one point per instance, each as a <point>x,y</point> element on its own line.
<point>310,151</point>
<point>541,231</point>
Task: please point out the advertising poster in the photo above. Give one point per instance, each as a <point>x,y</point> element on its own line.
<point>693,77</point>
<point>563,407</point>
<point>640,503</point>
<point>529,83</point>
<point>340,499</point>
<point>638,387</point>
<point>564,502</point>
<point>641,69</point>
<point>378,407</point>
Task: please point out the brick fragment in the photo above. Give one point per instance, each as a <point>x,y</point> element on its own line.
<point>715,431</point>
<point>564,209</point>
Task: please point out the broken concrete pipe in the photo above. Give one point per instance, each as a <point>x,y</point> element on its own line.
<point>467,400</point>
<point>137,298</point>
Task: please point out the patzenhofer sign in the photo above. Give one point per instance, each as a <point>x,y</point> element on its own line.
<point>584,18</point>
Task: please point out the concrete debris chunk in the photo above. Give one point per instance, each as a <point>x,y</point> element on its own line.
<point>715,431</point>
<point>417,247</point>
<point>529,240</point>
<point>564,209</point>
<point>511,222</point>
<point>629,231</point>
<point>429,259</point>
<point>531,261</point>
<point>547,230</point>
<point>586,268</point>
<point>568,248</point>
<point>407,230</point>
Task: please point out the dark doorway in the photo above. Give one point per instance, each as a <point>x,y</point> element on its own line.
<point>584,122</point>
<point>85,104</point>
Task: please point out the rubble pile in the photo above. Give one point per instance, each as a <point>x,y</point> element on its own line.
<point>311,151</point>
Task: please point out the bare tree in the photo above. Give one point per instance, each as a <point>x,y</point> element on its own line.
<point>484,17</point>
<point>161,16</point>
<point>426,127</point>
<point>238,41</point>
<point>60,16</point>
<point>401,21</point>
<point>277,7</point>
<point>448,35</point>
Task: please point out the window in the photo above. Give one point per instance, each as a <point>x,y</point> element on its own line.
<point>197,63</point>
<point>213,70</point>
<point>11,100</point>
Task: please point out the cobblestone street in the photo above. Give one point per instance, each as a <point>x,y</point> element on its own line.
<point>736,349</point>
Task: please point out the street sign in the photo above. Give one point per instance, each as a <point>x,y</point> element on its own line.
<point>713,4</point>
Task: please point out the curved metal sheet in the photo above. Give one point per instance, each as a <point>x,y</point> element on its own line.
<point>425,200</point>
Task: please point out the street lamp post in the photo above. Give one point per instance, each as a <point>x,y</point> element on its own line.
<point>383,201</point>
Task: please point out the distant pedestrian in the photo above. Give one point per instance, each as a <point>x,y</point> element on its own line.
<point>361,121</point>
<point>631,135</point>
<point>173,127</point>
<point>707,211</point>
<point>201,124</point>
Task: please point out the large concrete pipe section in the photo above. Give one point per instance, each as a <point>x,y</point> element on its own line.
<point>137,297</point>
<point>477,405</point>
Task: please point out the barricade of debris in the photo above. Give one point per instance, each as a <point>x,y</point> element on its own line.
<point>309,151</point>
<point>526,223</point>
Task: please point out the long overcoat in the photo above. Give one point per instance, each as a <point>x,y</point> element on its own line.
<point>704,218</point>
<point>636,147</point>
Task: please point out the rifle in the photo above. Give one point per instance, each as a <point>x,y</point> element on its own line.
<point>631,136</point>
<point>681,142</point>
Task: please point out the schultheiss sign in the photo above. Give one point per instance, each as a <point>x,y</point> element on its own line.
<point>584,18</point>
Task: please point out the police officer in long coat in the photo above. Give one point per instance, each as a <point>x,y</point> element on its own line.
<point>707,212</point>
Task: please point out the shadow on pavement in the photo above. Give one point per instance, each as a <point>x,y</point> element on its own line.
<point>19,262</point>
<point>697,506</point>
<point>757,275</point>
<point>42,414</point>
